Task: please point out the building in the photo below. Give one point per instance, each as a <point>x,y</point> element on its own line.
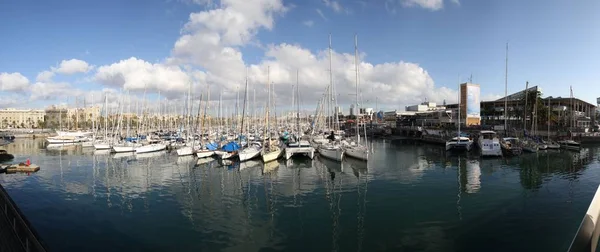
<point>424,107</point>
<point>470,105</point>
<point>55,116</point>
<point>566,112</point>
<point>21,118</point>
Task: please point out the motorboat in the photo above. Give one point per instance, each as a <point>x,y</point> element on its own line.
<point>489,144</point>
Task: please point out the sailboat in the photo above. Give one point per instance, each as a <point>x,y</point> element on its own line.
<point>549,143</point>
<point>357,150</point>
<point>152,145</point>
<point>459,142</point>
<point>270,150</point>
<point>331,150</point>
<point>254,148</point>
<point>300,146</point>
<point>570,144</point>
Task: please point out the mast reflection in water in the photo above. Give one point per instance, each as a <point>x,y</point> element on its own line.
<point>408,197</point>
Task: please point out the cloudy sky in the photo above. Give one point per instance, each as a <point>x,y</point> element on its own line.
<point>410,50</point>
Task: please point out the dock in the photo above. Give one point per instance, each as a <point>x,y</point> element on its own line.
<point>16,233</point>
<point>21,167</point>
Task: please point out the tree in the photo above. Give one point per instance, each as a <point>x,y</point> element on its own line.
<point>41,124</point>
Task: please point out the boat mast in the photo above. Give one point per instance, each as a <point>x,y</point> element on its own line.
<point>459,109</point>
<point>298,104</point>
<point>268,105</point>
<point>105,117</point>
<point>244,108</point>
<point>330,118</point>
<point>356,85</point>
<point>506,90</point>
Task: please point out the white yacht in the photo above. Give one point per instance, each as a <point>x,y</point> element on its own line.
<point>489,144</point>
<point>459,143</point>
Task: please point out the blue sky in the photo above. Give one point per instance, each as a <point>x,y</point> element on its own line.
<point>553,44</point>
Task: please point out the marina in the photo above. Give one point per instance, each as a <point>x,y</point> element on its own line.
<point>409,196</point>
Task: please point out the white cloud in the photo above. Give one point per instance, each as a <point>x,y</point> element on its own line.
<point>334,5</point>
<point>427,4</point>
<point>13,82</point>
<point>211,40</point>
<point>44,76</point>
<point>53,91</point>
<point>321,14</point>
<point>308,23</point>
<point>72,66</point>
<point>457,2</point>
<point>8,101</point>
<point>137,75</point>
<point>396,83</point>
<point>433,5</point>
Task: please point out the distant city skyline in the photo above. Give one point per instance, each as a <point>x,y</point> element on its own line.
<point>410,50</point>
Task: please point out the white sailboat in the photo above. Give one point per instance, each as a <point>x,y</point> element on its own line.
<point>253,149</point>
<point>270,150</point>
<point>570,144</point>
<point>331,150</point>
<point>190,149</point>
<point>459,142</point>
<point>357,150</point>
<point>103,144</point>
<point>299,147</point>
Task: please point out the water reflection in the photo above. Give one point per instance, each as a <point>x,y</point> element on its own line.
<point>420,198</point>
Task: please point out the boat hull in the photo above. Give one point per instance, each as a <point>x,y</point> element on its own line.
<point>332,153</point>
<point>150,148</point>
<point>102,146</point>
<point>272,155</point>
<point>204,153</point>
<point>357,152</point>
<point>307,151</point>
<point>123,149</point>
<point>249,153</point>
<point>185,151</point>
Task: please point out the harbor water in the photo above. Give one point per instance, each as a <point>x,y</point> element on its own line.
<point>409,197</point>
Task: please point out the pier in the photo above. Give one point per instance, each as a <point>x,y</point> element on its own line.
<point>16,234</point>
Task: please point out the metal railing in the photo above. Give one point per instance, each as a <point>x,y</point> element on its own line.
<point>587,235</point>
<point>16,234</point>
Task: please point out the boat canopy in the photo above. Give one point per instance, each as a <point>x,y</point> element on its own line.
<point>231,146</point>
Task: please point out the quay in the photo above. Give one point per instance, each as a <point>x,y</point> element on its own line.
<point>16,233</point>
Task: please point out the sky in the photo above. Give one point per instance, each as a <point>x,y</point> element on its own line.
<point>409,51</point>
